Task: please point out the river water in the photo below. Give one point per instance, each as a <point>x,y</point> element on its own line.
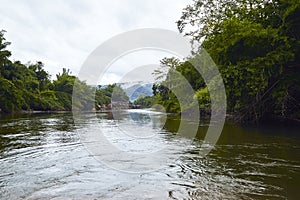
<point>42,156</point>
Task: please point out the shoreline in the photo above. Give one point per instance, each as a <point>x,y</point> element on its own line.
<point>229,117</point>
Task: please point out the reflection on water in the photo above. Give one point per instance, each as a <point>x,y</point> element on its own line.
<point>41,157</point>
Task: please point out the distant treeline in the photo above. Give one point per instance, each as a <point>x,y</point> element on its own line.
<point>29,87</point>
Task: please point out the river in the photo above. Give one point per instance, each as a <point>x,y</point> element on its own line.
<point>42,156</point>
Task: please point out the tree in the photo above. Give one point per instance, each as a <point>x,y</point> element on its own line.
<point>111,93</point>
<point>101,100</point>
<point>30,88</point>
<point>10,98</point>
<point>42,76</point>
<point>119,95</point>
<point>144,101</point>
<point>4,54</point>
<point>255,46</point>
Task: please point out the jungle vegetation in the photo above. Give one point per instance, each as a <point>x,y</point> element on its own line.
<point>27,87</point>
<point>256,47</point>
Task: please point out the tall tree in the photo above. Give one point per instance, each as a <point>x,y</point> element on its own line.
<point>256,47</point>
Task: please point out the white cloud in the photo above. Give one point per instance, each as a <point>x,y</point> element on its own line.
<point>62,33</point>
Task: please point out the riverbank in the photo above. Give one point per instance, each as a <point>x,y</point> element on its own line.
<point>274,120</point>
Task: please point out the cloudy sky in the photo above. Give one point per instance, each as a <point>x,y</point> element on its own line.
<point>62,33</point>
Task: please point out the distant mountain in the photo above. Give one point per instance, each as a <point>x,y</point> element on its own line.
<point>135,89</point>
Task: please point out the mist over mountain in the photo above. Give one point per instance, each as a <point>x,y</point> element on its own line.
<point>135,89</point>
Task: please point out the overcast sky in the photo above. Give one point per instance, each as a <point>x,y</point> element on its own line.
<point>62,33</point>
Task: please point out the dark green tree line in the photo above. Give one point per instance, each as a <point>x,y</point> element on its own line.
<point>111,93</point>
<point>256,46</point>
<point>29,87</point>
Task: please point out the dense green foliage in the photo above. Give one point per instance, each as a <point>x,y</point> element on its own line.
<point>256,47</point>
<point>110,94</point>
<point>144,101</point>
<point>25,87</point>
<point>29,87</point>
<point>175,73</point>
